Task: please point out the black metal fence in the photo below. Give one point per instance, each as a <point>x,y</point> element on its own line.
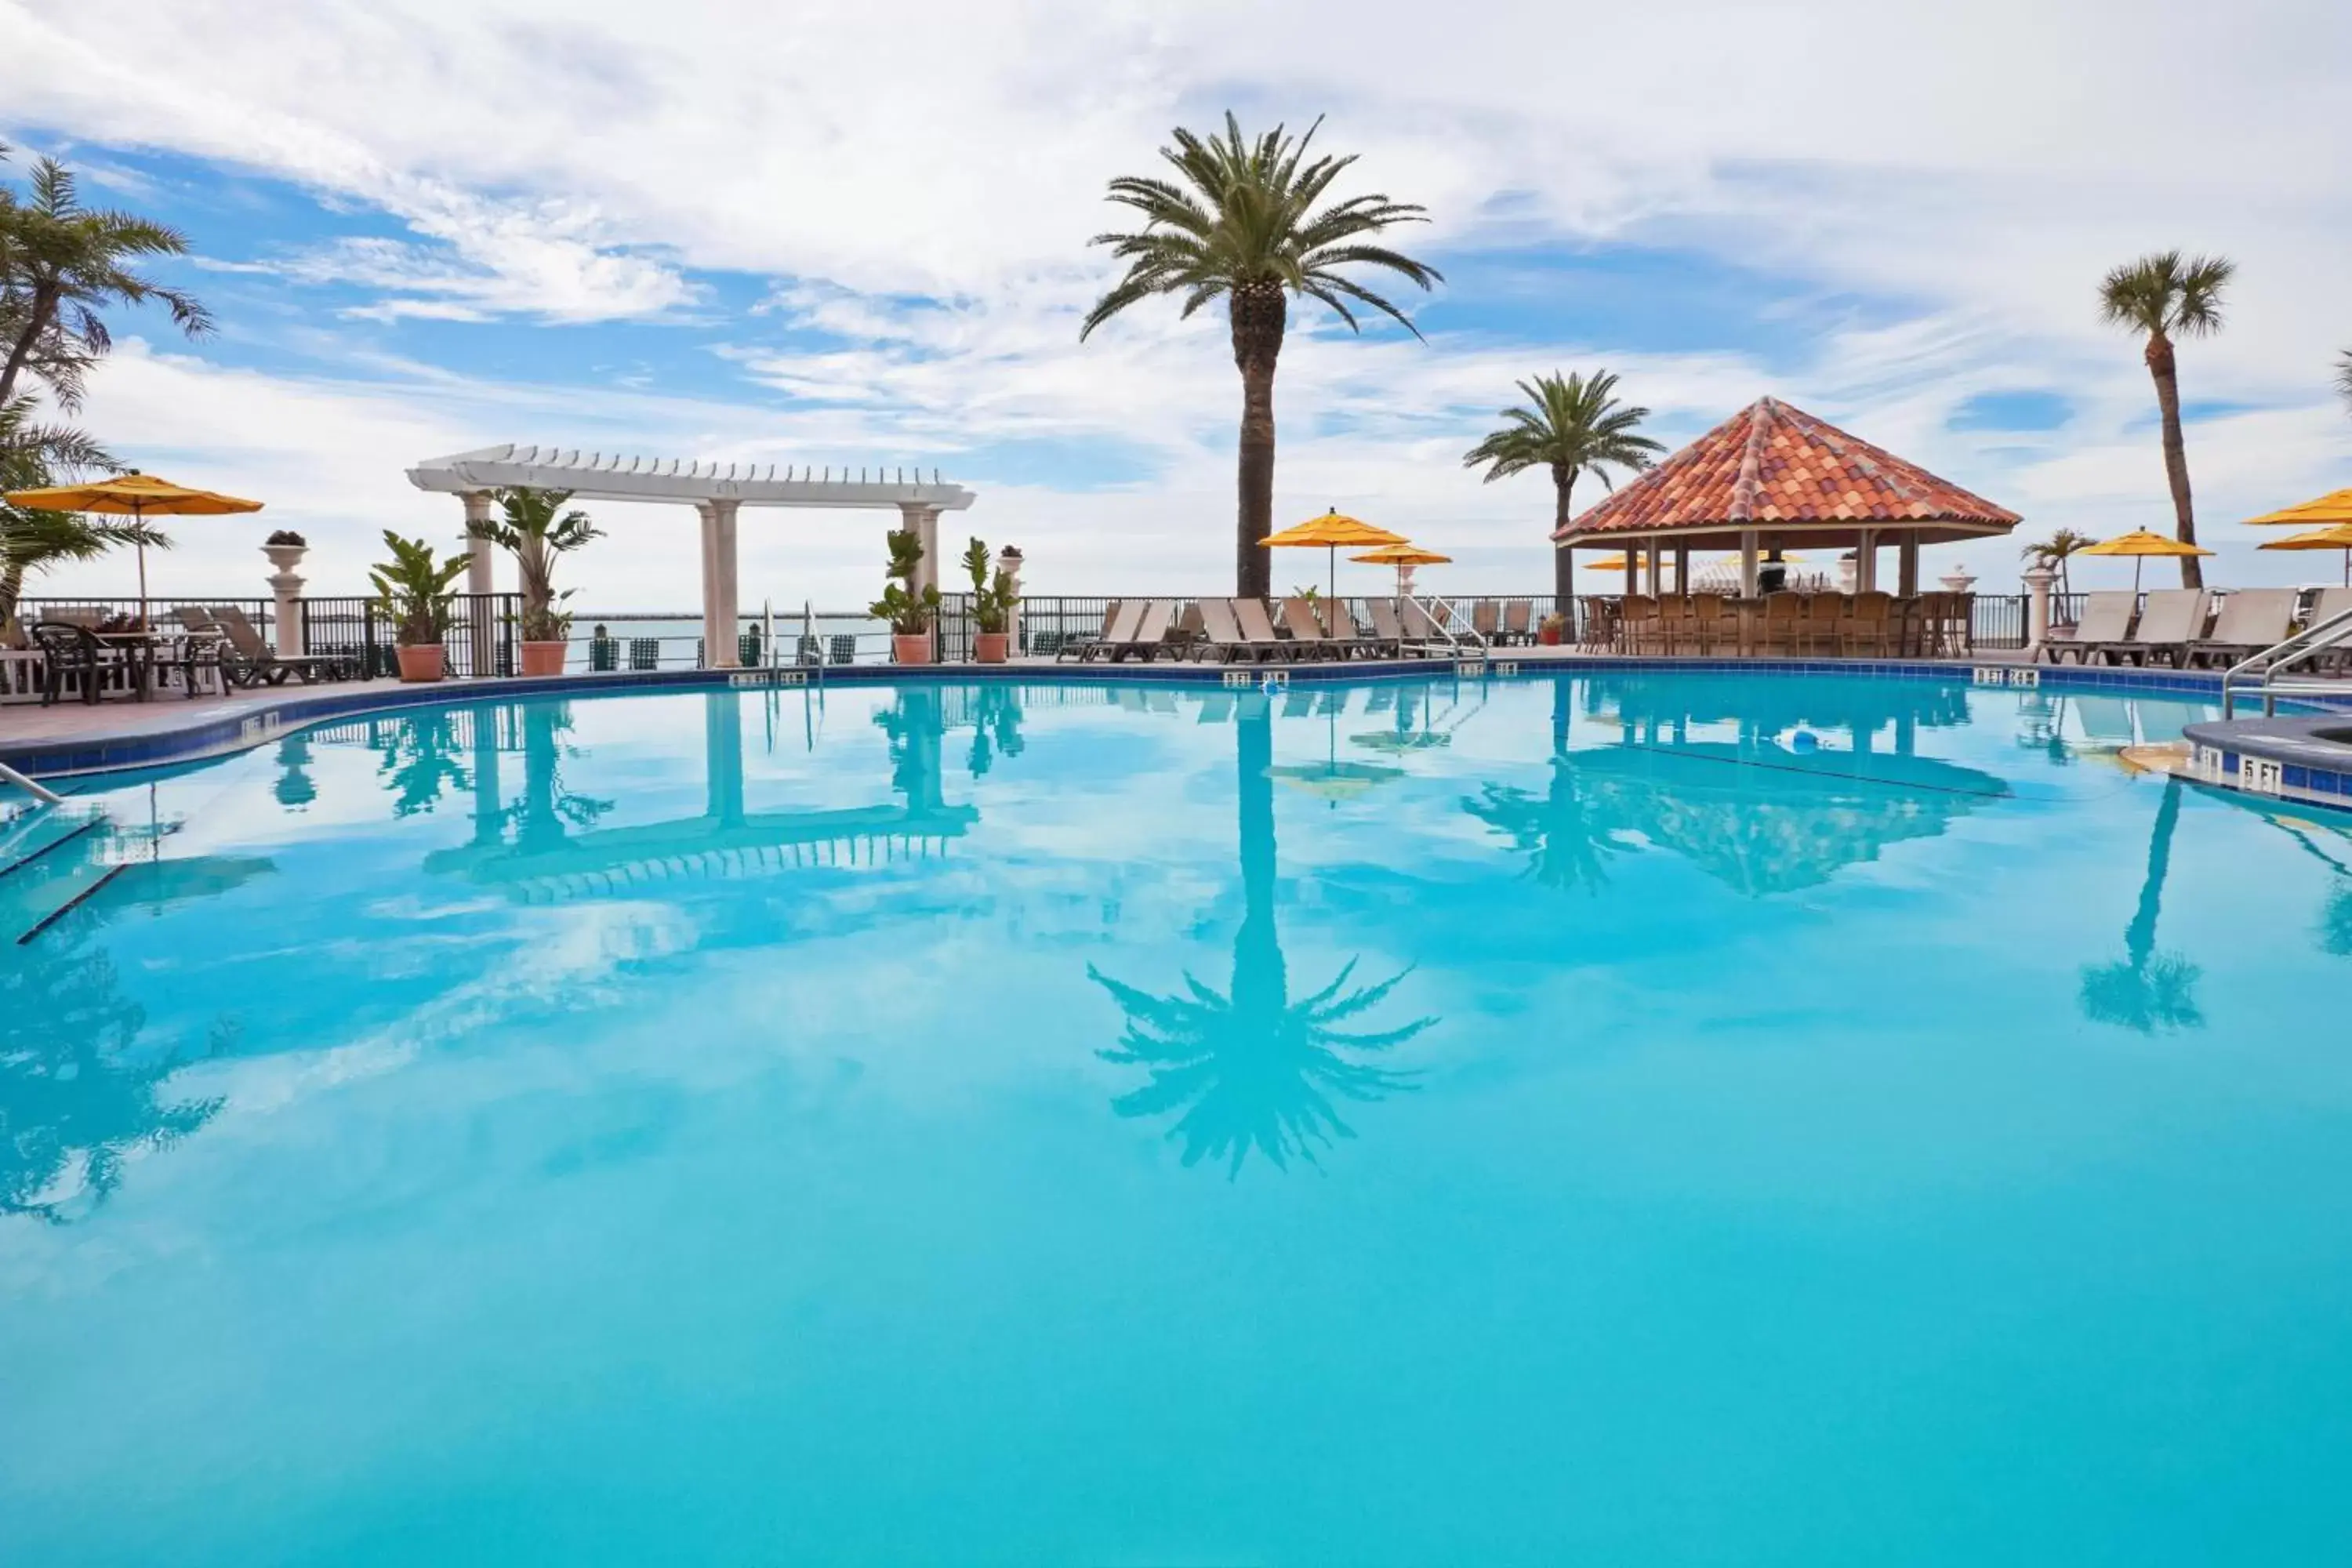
<point>159,614</point>
<point>480,640</point>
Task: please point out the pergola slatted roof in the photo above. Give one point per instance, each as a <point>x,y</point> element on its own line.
<point>603,476</point>
<point>1776,469</point>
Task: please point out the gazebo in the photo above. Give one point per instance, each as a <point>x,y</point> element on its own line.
<point>1772,477</point>
<point>717,492</point>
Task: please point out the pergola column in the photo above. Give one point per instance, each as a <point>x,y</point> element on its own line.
<point>1866,561</point>
<point>479,577</point>
<point>1906,570</point>
<point>923,522</point>
<point>1682,569</point>
<point>718,617</point>
<point>1747,562</point>
<point>1657,565</point>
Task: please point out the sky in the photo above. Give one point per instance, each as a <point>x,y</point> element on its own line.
<point>856,234</point>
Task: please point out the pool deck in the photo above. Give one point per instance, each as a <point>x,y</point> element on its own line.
<point>76,738</point>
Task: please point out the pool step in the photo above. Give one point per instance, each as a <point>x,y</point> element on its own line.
<point>27,839</point>
<point>48,876</point>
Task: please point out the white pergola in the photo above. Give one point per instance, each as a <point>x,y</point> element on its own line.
<point>716,491</point>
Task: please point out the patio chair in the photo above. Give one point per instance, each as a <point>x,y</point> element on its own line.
<point>2106,621</point>
<point>2251,619</point>
<point>1863,625</point>
<point>1644,627</point>
<point>1081,646</point>
<point>2173,619</point>
<point>1704,625</point>
<point>1777,628</point>
<point>1250,616</point>
<point>2330,604</point>
<point>1305,631</point>
<point>1817,628</point>
<point>1221,633</point>
<point>1149,638</point>
<point>1387,626</point>
<point>69,652</point>
<point>1600,624</point>
<point>1519,621</point>
<point>1339,624</point>
<point>1486,619</point>
<point>247,660</point>
<point>1119,622</point>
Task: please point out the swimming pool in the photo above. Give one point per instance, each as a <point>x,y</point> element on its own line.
<point>1662,1118</point>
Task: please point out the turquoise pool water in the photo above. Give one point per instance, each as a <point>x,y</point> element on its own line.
<point>1541,1121</point>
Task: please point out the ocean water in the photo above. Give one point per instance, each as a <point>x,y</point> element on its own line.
<point>1665,1118</point>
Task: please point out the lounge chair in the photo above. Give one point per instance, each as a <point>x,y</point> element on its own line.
<point>1388,626</point>
<point>2105,623</point>
<point>1250,616</point>
<point>2173,619</point>
<point>247,660</point>
<point>1081,646</point>
<point>1339,623</point>
<point>1117,630</point>
<point>1150,638</point>
<point>1518,621</point>
<point>2251,619</point>
<point>1221,633</point>
<point>1486,619</point>
<point>1422,626</point>
<point>2329,603</point>
<point>1306,636</point>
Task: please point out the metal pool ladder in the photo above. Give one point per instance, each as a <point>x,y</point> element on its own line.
<point>2266,674</point>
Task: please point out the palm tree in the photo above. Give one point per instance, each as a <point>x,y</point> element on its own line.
<point>1250,1067</point>
<point>1567,833</point>
<point>1572,426</point>
<point>2163,297</point>
<point>33,457</point>
<point>2056,551</point>
<point>536,529</point>
<point>61,265</point>
<point>2149,990</point>
<point>2343,377</point>
<point>1246,221</point>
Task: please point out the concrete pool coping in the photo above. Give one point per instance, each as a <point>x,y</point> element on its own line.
<point>79,738</point>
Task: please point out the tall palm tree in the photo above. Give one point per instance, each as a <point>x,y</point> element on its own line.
<point>61,263</point>
<point>2344,377</point>
<point>2149,991</point>
<point>2054,551</point>
<point>1251,1068</point>
<point>1572,426</point>
<point>1246,221</point>
<point>2163,297</point>
<point>536,529</point>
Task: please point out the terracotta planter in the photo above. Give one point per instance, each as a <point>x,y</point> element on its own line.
<point>915,650</point>
<point>1548,637</point>
<point>991,647</point>
<point>421,662</point>
<point>543,658</point>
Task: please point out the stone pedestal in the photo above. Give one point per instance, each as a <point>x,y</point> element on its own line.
<point>285,588</point>
<point>2037,610</point>
<point>1008,562</point>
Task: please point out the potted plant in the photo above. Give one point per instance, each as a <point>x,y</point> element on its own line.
<point>415,589</point>
<point>1551,630</point>
<point>285,549</point>
<point>993,598</point>
<point>534,527</point>
<point>908,612</point>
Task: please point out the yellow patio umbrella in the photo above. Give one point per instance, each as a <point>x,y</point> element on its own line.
<point>1404,558</point>
<point>2336,537</point>
<point>1334,532</point>
<point>2140,544</point>
<point>136,496</point>
<point>2334,507</point>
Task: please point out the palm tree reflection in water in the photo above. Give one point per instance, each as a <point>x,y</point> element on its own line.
<point>2149,990</point>
<point>1251,1068</point>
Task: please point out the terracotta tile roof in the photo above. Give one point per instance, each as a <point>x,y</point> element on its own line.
<point>1771,463</point>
